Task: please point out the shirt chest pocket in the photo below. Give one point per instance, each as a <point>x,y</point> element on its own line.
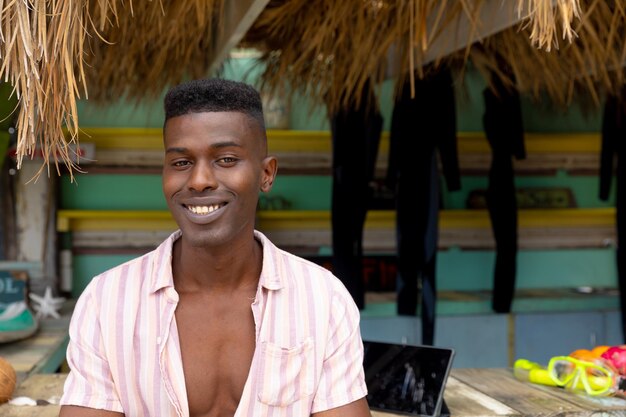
<point>286,374</point>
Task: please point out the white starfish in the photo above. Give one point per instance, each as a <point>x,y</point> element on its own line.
<point>47,306</point>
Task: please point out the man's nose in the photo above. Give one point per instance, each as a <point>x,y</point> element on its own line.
<point>202,177</point>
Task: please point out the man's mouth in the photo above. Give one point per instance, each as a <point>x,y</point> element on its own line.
<point>204,209</point>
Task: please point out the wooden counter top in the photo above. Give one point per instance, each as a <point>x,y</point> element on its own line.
<point>35,360</point>
<point>46,389</point>
<point>469,393</point>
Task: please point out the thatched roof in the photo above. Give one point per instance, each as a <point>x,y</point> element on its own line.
<point>328,50</point>
<point>590,66</point>
<point>56,52</point>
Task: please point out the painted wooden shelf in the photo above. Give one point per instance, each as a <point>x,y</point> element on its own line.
<point>72,220</point>
<point>308,231</point>
<point>320,141</point>
<point>310,152</point>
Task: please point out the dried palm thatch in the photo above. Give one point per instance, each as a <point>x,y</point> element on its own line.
<point>543,16</point>
<point>42,48</point>
<point>151,48</point>
<point>51,50</point>
<point>590,66</point>
<point>329,50</point>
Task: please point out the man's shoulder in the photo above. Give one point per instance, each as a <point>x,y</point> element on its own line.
<point>312,294</point>
<point>293,265</point>
<point>305,276</point>
<point>304,263</point>
<point>297,271</point>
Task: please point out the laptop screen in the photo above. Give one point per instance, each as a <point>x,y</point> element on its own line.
<point>406,379</point>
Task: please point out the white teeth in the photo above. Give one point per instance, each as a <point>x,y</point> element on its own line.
<point>203,209</point>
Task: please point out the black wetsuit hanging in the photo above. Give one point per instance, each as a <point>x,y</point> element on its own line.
<point>419,126</point>
<point>355,135</point>
<point>502,122</point>
<point>614,147</point>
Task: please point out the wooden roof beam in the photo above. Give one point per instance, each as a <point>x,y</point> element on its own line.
<point>238,16</point>
<point>494,16</point>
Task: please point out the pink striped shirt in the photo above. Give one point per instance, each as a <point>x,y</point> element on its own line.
<point>124,353</point>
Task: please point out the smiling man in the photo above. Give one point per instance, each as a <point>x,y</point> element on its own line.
<point>217,321</point>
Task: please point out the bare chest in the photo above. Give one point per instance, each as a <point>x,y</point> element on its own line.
<point>217,343</point>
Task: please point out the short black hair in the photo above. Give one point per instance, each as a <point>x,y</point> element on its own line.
<point>214,95</point>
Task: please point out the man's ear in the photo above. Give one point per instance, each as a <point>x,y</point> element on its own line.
<point>270,167</point>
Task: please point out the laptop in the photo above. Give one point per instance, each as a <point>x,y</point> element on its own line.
<point>407,380</point>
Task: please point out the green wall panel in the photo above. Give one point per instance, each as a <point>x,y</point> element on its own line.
<point>462,271</point>
<point>143,192</point>
<point>538,116</point>
<point>584,188</point>
<point>473,270</point>
<point>303,192</point>
<point>149,112</point>
<point>88,266</point>
<point>112,192</point>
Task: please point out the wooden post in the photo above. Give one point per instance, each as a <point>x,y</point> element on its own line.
<point>35,214</point>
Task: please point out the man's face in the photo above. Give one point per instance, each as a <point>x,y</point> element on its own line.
<point>215,165</point>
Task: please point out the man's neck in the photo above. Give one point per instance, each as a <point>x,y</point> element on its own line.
<point>216,269</point>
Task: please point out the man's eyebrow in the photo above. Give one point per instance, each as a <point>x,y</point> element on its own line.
<point>216,145</point>
<point>225,144</point>
<point>176,150</point>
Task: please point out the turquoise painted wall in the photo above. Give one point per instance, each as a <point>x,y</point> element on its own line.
<point>462,270</point>
<point>143,192</point>
<point>538,117</point>
<point>304,192</point>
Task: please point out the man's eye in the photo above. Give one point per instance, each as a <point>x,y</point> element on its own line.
<point>228,160</point>
<point>181,163</point>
